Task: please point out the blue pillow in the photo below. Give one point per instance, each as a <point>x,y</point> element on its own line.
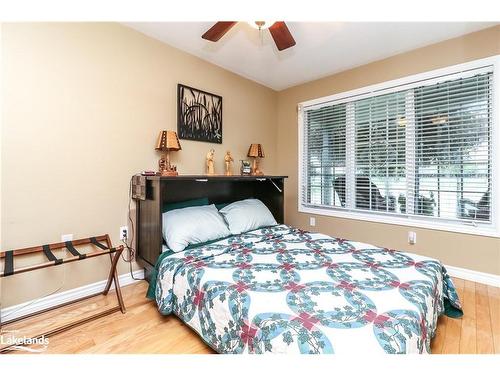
<point>193,225</point>
<point>246,215</point>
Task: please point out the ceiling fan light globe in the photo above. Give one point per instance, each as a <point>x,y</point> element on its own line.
<point>261,25</point>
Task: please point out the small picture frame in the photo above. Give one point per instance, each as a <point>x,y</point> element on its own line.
<point>246,168</point>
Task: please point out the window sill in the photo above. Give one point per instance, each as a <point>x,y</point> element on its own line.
<point>487,230</point>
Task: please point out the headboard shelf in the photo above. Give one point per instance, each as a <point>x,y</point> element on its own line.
<point>217,188</point>
<point>216,177</point>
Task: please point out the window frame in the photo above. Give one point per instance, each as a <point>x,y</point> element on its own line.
<point>461,70</point>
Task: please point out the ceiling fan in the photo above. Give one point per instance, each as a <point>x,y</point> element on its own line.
<point>278,29</point>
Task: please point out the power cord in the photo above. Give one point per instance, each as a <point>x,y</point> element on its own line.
<point>128,244</point>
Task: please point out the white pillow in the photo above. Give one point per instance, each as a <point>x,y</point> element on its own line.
<point>248,214</point>
<point>193,225</point>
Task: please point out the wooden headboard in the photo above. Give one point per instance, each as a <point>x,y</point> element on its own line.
<point>218,189</point>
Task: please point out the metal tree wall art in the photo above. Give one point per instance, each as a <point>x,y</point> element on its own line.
<point>199,115</point>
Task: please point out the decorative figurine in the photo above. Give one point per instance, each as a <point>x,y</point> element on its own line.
<point>228,159</point>
<point>210,162</point>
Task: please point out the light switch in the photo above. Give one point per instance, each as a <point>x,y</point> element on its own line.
<point>412,238</point>
<point>312,221</point>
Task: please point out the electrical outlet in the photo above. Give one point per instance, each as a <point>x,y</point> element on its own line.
<point>123,233</point>
<point>412,238</point>
<point>66,237</point>
<point>312,221</point>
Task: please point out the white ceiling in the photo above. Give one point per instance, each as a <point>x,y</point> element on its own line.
<point>323,48</point>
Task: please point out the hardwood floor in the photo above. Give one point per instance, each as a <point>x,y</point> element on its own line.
<point>478,332</point>
<point>143,330</point>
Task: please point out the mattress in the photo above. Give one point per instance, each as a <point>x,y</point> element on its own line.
<point>284,290</point>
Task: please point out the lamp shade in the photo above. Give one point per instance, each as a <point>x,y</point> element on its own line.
<point>256,151</point>
<point>168,141</point>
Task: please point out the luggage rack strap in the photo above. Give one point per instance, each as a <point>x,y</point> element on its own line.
<point>9,263</point>
<point>50,255</point>
<point>73,251</point>
<point>94,241</point>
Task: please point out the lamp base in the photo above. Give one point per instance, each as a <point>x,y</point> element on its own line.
<point>255,168</point>
<point>165,168</point>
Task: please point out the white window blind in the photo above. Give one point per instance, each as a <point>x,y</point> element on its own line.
<point>422,150</point>
<point>325,155</point>
<point>380,151</point>
<point>453,151</point>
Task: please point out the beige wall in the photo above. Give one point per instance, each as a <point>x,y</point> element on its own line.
<point>82,107</point>
<point>471,252</point>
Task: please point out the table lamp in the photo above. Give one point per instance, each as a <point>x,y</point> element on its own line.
<point>255,151</point>
<point>167,141</point>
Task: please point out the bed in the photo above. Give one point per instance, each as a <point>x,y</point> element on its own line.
<point>280,289</point>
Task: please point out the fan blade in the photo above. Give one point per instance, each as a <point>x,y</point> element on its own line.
<point>282,36</point>
<point>218,30</point>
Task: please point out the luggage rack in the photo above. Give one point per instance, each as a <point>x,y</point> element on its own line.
<point>103,246</point>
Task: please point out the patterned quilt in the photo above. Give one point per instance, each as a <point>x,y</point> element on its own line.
<point>285,290</point>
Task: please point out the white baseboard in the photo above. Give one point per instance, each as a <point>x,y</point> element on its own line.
<point>13,312</point>
<point>476,276</point>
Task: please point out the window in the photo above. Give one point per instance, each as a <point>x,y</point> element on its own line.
<point>417,151</point>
